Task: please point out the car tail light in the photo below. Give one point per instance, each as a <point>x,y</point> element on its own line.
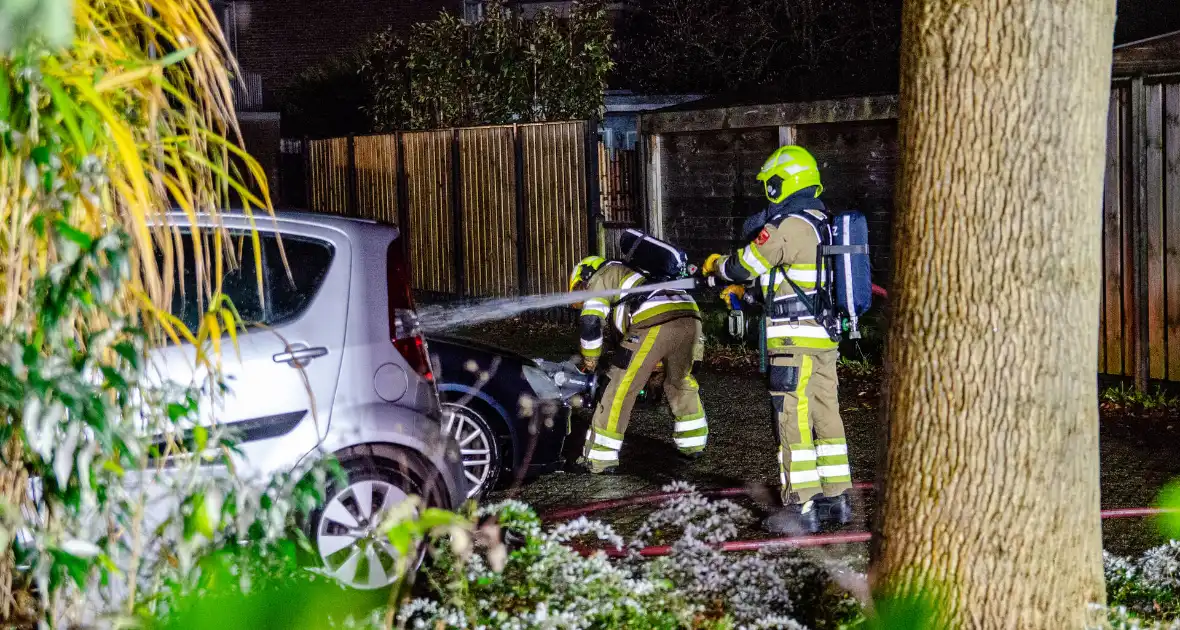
<point>403,322</point>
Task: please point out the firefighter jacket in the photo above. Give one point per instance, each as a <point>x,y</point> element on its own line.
<point>785,248</point>
<point>627,312</point>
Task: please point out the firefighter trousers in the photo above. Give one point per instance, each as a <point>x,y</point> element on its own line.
<point>675,343</point>
<point>813,453</point>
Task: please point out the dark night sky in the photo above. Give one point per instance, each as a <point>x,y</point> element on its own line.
<point>1138,19</point>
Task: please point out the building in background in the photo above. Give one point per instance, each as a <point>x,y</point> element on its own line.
<point>275,41</point>
<point>620,122</point>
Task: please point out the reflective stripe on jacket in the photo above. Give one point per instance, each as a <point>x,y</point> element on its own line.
<point>630,310</point>
<point>785,248</point>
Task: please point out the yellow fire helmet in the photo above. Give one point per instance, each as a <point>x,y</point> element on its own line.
<point>787,171</point>
<point>584,269</point>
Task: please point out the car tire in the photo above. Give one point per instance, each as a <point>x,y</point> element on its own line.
<point>479,446</point>
<point>343,530</point>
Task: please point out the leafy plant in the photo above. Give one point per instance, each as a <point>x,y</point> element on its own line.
<point>502,69</point>
<point>857,367</point>
<point>98,140</point>
<point>95,433</point>
<point>1125,396</point>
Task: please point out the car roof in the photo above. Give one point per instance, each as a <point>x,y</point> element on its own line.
<point>237,217</point>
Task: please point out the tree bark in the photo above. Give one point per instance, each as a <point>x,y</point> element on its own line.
<point>990,496</point>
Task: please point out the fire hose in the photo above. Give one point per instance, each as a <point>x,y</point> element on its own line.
<point>797,542</point>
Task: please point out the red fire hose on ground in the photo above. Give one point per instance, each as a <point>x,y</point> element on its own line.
<point>814,540</point>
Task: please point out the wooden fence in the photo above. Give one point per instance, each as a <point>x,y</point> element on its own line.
<point>489,211</point>
<point>1139,333</point>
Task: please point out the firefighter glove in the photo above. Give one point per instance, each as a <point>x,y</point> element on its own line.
<point>587,365</point>
<point>733,291</point>
<point>712,265</point>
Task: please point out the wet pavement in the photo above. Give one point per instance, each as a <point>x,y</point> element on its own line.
<point>1140,452</point>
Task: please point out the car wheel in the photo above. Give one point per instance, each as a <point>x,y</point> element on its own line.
<point>345,532</point>
<point>477,446</point>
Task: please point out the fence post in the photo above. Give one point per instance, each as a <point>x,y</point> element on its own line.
<point>1139,231</point>
<point>306,150</point>
<point>403,195</point>
<point>457,215</point>
<point>593,192</point>
<point>351,183</point>
<point>642,203</point>
<point>522,234</point>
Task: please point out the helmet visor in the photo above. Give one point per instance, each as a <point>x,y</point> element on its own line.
<point>774,186</point>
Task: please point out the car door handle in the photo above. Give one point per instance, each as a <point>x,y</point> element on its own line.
<point>298,357</point>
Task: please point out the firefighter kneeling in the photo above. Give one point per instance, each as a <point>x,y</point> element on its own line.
<point>658,326</point>
<point>812,454</point>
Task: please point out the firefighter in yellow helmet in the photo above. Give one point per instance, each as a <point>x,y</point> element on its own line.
<point>655,326</point>
<point>782,256</point>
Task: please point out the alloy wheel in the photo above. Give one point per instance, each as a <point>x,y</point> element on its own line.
<point>350,546</point>
<point>475,446</point>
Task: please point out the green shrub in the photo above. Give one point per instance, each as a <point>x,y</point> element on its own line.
<point>93,423</point>
<point>502,69</point>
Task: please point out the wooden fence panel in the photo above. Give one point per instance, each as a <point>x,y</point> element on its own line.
<point>329,175</point>
<point>555,190</point>
<point>1157,343</point>
<point>489,211</point>
<point>1171,176</point>
<point>488,194</point>
<point>1110,355</point>
<point>1120,311</point>
<point>428,173</point>
<point>376,174</point>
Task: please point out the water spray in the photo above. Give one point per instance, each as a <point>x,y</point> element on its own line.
<point>440,317</point>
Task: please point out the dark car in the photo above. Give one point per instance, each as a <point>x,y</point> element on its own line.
<point>507,414</point>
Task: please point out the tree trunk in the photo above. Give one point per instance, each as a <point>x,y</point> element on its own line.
<point>990,496</point>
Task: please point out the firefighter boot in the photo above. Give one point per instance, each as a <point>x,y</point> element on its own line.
<point>835,510</point>
<point>583,466</point>
<point>794,519</point>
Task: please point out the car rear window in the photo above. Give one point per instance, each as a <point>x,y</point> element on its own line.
<point>287,296</point>
<point>290,295</point>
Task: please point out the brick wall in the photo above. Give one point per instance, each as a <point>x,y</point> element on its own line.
<point>279,39</point>
<point>709,185</point>
<point>857,163</point>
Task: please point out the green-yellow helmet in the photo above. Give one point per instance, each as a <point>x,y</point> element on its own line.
<point>584,269</point>
<point>787,171</point>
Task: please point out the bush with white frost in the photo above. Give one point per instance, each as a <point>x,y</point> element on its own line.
<point>1147,587</point>
<point>549,578</point>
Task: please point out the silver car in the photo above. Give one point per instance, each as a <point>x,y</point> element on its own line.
<point>335,365</point>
